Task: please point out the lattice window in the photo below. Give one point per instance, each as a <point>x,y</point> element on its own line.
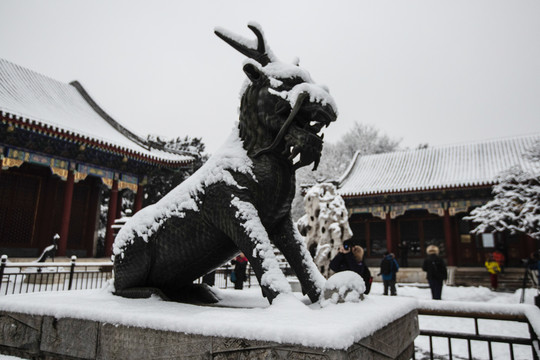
<point>377,238</point>
<point>434,234</point>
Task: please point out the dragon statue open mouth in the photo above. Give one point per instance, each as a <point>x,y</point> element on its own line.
<point>288,102</point>
<point>302,131</point>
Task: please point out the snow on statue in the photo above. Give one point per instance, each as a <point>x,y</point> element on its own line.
<point>240,199</point>
<point>345,286</point>
<point>325,225</point>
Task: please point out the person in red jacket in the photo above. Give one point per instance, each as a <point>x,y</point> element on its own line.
<point>498,256</point>
<point>240,263</point>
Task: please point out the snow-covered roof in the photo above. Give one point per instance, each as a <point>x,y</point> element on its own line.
<point>439,167</point>
<point>67,109</point>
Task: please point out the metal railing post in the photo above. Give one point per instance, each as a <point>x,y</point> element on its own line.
<point>2,267</point>
<point>72,271</point>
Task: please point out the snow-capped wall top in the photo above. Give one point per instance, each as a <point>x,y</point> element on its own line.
<point>67,108</point>
<point>440,167</point>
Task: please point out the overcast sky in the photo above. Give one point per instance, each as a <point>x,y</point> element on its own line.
<point>436,72</point>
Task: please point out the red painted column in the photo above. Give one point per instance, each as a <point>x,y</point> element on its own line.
<point>111,216</point>
<point>119,205</point>
<point>448,239</point>
<point>138,199</point>
<point>388,232</point>
<point>66,214</point>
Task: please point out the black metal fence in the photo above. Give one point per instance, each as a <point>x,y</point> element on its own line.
<point>483,343</point>
<point>222,277</point>
<point>25,277</point>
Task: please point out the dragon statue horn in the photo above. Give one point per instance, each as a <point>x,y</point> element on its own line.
<point>259,54</point>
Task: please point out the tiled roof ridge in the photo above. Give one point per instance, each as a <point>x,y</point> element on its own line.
<point>459,144</point>
<point>99,110</point>
<point>475,163</point>
<point>357,154</point>
<point>52,91</point>
<point>28,70</point>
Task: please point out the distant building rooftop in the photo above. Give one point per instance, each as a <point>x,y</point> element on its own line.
<point>439,167</point>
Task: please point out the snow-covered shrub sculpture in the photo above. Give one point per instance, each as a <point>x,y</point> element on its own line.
<point>344,286</point>
<point>240,199</point>
<point>325,225</point>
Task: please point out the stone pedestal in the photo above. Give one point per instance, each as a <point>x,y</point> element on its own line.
<point>47,337</point>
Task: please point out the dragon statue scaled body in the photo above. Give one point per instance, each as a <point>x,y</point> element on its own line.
<point>240,200</point>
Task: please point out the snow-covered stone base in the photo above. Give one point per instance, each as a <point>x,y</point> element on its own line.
<point>115,328</point>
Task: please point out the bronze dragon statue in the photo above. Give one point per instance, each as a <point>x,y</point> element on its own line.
<point>240,200</point>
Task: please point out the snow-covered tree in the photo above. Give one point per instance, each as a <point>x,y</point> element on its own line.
<point>515,206</point>
<point>325,225</point>
<point>162,182</point>
<point>159,183</point>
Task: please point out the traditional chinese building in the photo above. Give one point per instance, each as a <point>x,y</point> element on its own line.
<point>411,199</point>
<point>58,149</point>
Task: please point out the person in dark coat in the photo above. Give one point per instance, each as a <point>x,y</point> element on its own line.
<point>436,272</point>
<point>240,265</point>
<point>404,254</point>
<point>351,257</point>
<point>389,269</point>
<point>533,264</point>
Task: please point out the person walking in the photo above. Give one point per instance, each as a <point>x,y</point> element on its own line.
<point>240,265</point>
<point>436,272</point>
<point>498,256</point>
<point>351,257</point>
<point>494,269</point>
<point>389,268</point>
<point>404,254</point>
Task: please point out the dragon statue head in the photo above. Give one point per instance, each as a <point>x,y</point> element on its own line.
<point>282,111</point>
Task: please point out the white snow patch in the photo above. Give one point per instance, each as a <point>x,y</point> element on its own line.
<point>344,286</point>
<point>273,276</point>
<point>276,71</point>
<point>307,261</point>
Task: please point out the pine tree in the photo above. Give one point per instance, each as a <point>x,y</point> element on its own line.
<point>516,201</point>
<point>160,183</point>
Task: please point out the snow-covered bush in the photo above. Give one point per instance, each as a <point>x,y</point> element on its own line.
<point>325,225</point>
<point>516,203</point>
<point>344,286</point>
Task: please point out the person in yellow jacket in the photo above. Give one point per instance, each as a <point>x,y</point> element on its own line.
<point>494,269</point>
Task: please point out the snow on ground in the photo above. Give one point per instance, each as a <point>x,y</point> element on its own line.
<point>472,298</point>
<point>293,319</point>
